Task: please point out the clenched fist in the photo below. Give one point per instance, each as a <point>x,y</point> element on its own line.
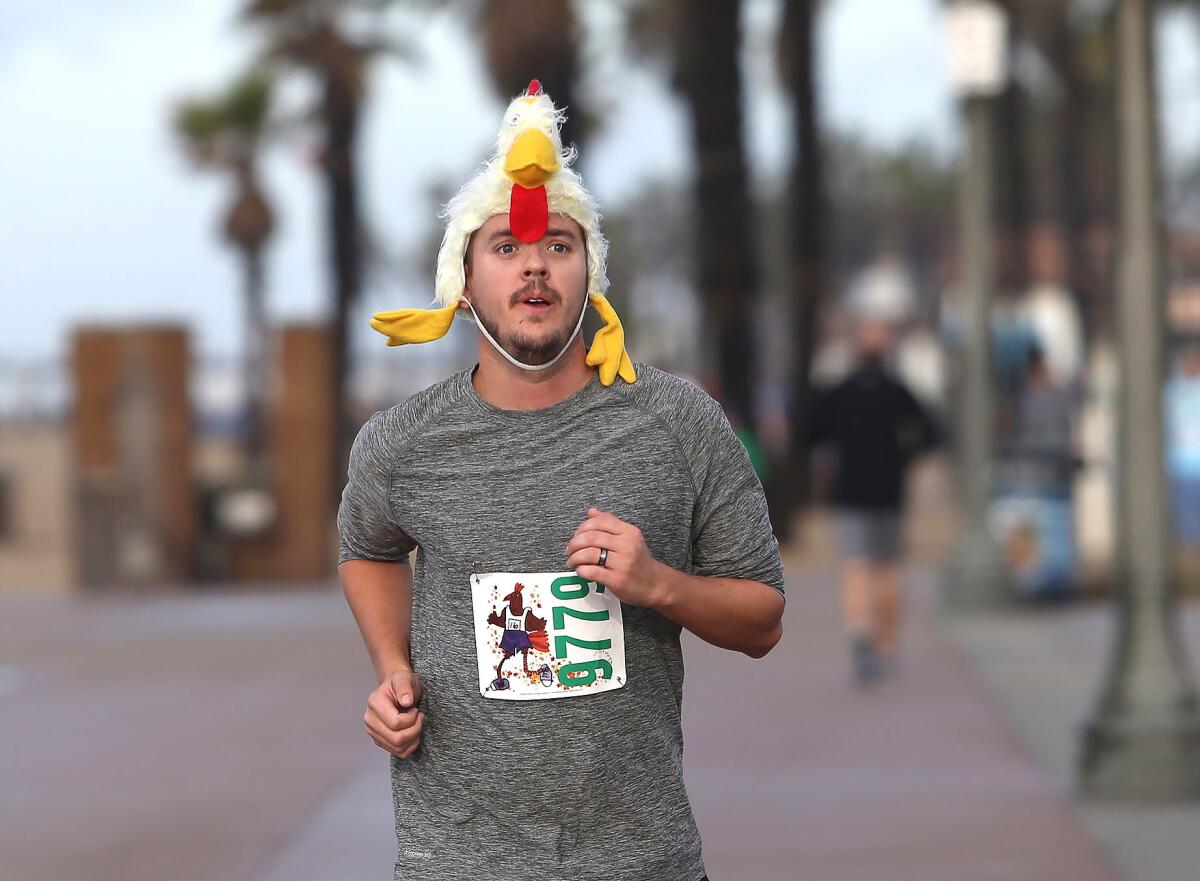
<point>392,717</point>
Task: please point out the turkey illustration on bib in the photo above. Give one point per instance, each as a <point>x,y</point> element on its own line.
<point>523,631</point>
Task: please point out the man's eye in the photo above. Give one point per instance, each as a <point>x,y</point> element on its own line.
<point>507,248</point>
<point>559,248</point>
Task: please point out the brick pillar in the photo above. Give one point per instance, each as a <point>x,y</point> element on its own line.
<point>299,444</point>
<point>131,452</point>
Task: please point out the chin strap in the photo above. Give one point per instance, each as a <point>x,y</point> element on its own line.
<point>408,326</point>
<point>532,368</point>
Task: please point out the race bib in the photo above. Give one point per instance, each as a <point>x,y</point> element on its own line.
<point>546,634</point>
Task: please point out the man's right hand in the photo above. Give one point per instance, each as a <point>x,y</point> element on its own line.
<point>392,717</point>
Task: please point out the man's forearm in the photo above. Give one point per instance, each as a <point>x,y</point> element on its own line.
<point>732,613</point>
<point>380,596</point>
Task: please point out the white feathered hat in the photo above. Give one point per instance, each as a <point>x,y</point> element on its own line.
<point>528,176</point>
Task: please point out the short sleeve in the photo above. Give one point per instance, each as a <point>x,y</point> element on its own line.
<point>731,528</point>
<point>366,527</point>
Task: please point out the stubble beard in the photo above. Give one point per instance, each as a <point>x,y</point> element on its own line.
<point>525,347</point>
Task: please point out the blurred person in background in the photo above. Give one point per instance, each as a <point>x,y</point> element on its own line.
<point>1183,439</point>
<point>545,457</point>
<point>876,428</point>
<point>1044,421</point>
<point>1032,511</point>
<point>1050,309</point>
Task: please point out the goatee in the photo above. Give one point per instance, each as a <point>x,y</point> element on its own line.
<point>523,347</point>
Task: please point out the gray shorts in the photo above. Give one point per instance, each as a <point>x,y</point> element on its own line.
<point>869,535</point>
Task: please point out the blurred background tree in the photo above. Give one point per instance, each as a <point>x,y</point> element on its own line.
<point>528,39</point>
<point>701,48</point>
<point>228,133</point>
<point>1058,157</point>
<point>893,199</point>
<point>807,219</point>
<point>334,43</point>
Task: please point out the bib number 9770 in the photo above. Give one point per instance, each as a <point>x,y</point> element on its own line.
<point>579,673</point>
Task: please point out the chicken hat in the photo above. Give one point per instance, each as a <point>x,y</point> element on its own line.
<point>528,176</point>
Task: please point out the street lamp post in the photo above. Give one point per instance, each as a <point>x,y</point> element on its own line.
<point>1143,740</point>
<point>977,43</point>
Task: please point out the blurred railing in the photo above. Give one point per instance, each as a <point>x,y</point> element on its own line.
<point>33,390</point>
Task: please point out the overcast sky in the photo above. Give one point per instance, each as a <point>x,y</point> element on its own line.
<point>101,218</point>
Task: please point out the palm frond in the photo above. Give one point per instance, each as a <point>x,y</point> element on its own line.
<point>247,104</point>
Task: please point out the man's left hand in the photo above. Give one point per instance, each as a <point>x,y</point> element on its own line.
<point>630,571</point>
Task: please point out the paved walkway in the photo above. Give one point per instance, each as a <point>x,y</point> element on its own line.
<point>798,775</point>
<point>218,738</point>
<point>1043,668</point>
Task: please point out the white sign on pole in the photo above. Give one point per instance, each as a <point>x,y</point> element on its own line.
<point>977,47</point>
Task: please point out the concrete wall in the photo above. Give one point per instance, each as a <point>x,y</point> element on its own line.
<point>36,541</point>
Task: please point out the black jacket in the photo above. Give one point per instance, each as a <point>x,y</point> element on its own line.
<point>876,427</point>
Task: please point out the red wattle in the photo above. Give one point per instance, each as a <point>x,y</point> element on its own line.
<point>528,213</point>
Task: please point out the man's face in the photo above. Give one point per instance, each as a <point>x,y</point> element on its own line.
<point>873,336</point>
<point>528,296</point>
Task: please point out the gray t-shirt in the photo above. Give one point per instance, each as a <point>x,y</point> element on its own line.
<point>583,787</point>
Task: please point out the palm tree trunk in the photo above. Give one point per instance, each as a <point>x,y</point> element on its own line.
<point>534,39</point>
<point>341,179</point>
<point>808,212</point>
<point>1090,282</point>
<point>1013,160</point>
<point>254,365</point>
<point>1073,153</point>
<point>710,80</point>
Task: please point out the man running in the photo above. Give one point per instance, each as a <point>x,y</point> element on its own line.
<point>616,495</point>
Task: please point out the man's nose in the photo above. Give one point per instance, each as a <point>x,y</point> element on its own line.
<point>535,262</point>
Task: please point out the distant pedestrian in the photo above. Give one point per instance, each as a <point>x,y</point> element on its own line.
<point>1183,441</point>
<point>1045,414</point>
<point>1032,510</point>
<point>876,427</point>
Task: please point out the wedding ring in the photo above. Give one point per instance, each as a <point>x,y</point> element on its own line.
<point>603,556</point>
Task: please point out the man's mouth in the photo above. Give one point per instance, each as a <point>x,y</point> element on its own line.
<point>535,302</point>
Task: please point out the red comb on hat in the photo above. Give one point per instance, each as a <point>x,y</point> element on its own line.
<point>535,88</point>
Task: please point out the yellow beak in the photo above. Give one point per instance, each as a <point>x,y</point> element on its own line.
<point>531,160</point>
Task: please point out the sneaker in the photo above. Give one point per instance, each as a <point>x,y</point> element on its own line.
<point>867,669</point>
